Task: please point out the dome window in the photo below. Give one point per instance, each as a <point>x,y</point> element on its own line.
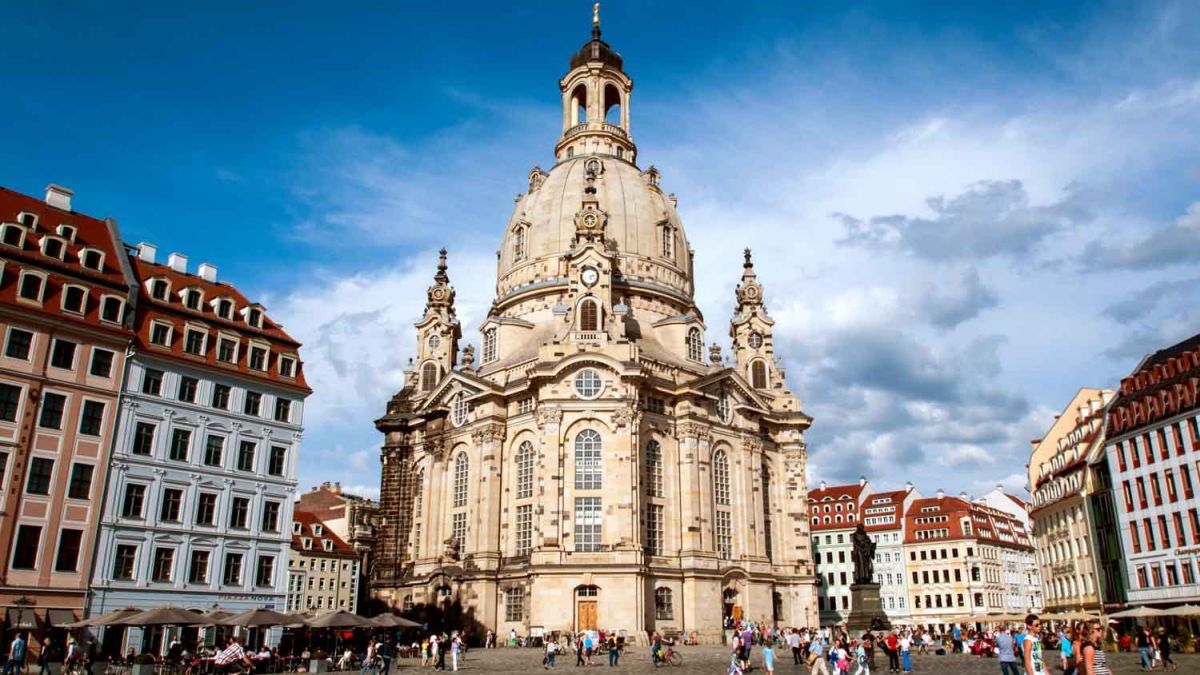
<point>588,383</point>
<point>695,345</point>
<point>668,241</point>
<point>489,345</point>
<point>519,242</point>
<point>429,376</point>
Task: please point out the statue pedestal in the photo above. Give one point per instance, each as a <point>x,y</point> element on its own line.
<point>866,610</point>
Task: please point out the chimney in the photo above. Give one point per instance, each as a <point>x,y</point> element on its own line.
<point>177,262</point>
<point>862,481</point>
<point>941,493</point>
<point>963,496</point>
<point>147,252</point>
<point>822,485</point>
<point>207,272</point>
<point>59,197</point>
<point>908,487</point>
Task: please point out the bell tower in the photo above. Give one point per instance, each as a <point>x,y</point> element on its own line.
<point>438,331</point>
<point>595,102</point>
<point>753,344</point>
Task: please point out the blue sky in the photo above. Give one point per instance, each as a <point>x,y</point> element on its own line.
<point>962,212</point>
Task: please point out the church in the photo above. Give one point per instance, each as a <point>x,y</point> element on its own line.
<point>594,465</point>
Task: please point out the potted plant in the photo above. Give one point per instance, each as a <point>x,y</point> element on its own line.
<point>319,662</point>
<point>144,664</point>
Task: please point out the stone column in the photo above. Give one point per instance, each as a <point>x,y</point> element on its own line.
<point>489,501</point>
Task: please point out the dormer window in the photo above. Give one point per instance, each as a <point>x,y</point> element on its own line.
<point>254,317</point>
<point>159,288</point>
<point>91,259</point>
<point>27,219</point>
<point>112,309</point>
<point>489,345</point>
<point>67,232</point>
<point>13,235</point>
<point>31,286</point>
<point>192,298</point>
<point>258,357</point>
<point>328,545</point>
<point>160,333</point>
<point>318,530</point>
<point>297,528</point>
<point>53,247</point>
<point>74,299</point>
<point>227,350</point>
<point>287,366</point>
<point>306,543</point>
<point>224,308</point>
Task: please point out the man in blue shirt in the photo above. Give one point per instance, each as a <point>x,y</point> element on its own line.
<point>1006,650</point>
<point>16,656</point>
<point>956,637</point>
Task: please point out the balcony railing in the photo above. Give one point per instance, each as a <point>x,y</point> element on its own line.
<point>614,129</point>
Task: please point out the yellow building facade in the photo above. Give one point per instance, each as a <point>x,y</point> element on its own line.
<point>594,464</point>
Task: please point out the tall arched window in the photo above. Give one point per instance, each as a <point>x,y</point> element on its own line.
<point>668,241</point>
<point>589,315</point>
<point>588,469</point>
<point>418,509</point>
<point>654,469</point>
<point>525,470</point>
<point>429,376</point>
<point>695,345</point>
<point>723,526</point>
<point>462,467</point>
<point>519,243</point>
<point>758,375</point>
<point>766,500</point>
<point>664,605</point>
<point>489,345</point>
<point>720,464</point>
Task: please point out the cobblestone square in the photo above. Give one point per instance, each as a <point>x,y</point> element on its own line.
<point>715,660</point>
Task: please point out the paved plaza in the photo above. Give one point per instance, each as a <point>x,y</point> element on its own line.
<point>715,660</point>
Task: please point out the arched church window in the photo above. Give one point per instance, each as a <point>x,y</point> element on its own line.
<point>519,243</point>
<point>654,469</point>
<point>525,470</point>
<point>462,467</point>
<point>588,461</point>
<point>489,345</point>
<point>589,315</point>
<point>721,477</point>
<point>579,105</point>
<point>668,241</point>
<point>766,500</point>
<point>758,375</point>
<point>724,409</point>
<point>429,376</point>
<point>459,409</point>
<point>664,606</point>
<point>695,345</point>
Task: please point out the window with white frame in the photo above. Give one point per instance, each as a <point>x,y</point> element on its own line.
<point>91,259</point>
<point>519,242</point>
<point>587,524</point>
<point>523,541</point>
<point>66,232</point>
<point>27,219</point>
<point>258,357</point>
<point>458,529</point>
<point>462,468</point>
<point>721,478</point>
<point>489,345</point>
<point>31,286</point>
<point>192,297</point>
<point>525,405</point>
<point>695,345</point>
<point>159,289</point>
<point>668,241</point>
<point>514,604</point>
<point>53,247</point>
<point>13,235</point>
<point>654,529</point>
<point>287,366</point>
<point>588,383</point>
<point>525,470</point>
<point>724,535</point>
<point>654,469</point>
<point>589,467</point>
<point>74,299</point>
<point>112,309</point>
<point>160,333</point>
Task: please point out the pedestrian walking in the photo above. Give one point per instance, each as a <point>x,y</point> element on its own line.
<point>860,655</point>
<point>614,650</point>
<point>43,658</point>
<point>1031,647</point>
<point>768,652</point>
<point>793,643</point>
<point>816,656</point>
<point>551,651</point>
<point>905,651</point>
<point>456,646</point>
<point>16,656</point>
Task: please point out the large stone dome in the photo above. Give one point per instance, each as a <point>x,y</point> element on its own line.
<point>642,227</point>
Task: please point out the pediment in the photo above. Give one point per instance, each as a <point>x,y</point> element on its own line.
<point>454,383</point>
<point>729,380</point>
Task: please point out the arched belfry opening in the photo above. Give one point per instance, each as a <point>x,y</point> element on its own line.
<point>614,106</point>
<point>579,104</point>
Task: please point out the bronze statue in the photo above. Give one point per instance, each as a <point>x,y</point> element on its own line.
<point>863,556</point>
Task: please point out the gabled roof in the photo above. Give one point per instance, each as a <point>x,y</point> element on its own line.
<point>882,500</point>
<point>823,503</point>
<point>307,522</point>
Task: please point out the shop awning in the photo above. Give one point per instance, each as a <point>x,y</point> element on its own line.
<point>60,617</point>
<point>22,618</point>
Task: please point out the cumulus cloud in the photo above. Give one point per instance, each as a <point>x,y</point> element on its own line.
<point>991,218</point>
<point>957,303</point>
<point>1176,243</point>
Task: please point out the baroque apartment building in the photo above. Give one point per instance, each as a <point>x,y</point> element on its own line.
<point>64,292</point>
<point>352,518</point>
<point>198,508</point>
<point>1153,453</point>
<point>835,512</point>
<point>1061,480</point>
<point>966,558</point>
<point>594,464</point>
<point>323,570</point>
<point>883,518</point>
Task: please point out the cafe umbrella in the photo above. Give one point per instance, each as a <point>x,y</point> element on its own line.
<point>114,618</point>
<point>389,620</point>
<point>166,616</point>
<point>258,618</point>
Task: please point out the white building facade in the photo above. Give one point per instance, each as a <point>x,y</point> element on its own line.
<point>883,519</point>
<point>198,504</point>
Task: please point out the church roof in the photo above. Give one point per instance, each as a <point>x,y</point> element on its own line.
<point>597,50</point>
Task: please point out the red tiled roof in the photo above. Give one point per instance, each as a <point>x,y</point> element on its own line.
<point>847,496</point>
<point>307,520</point>
<point>90,233</point>
<point>178,315</point>
<point>894,500</point>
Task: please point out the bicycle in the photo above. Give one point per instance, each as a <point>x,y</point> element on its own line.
<point>668,656</point>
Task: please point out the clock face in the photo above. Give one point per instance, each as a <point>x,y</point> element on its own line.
<point>755,340</point>
<point>589,276</point>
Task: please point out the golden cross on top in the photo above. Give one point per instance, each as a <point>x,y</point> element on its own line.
<point>596,14</point>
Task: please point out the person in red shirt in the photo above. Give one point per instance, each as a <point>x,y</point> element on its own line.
<point>892,646</point>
